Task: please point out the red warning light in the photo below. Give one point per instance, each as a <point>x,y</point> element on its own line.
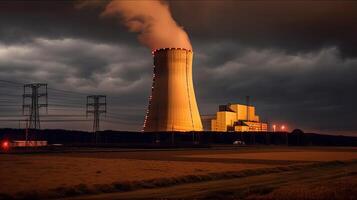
<point>5,145</point>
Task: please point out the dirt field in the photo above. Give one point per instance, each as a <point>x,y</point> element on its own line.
<point>335,181</point>
<point>296,156</point>
<point>113,175</point>
<point>48,172</point>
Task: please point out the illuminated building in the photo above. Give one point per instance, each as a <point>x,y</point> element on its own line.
<point>237,117</point>
<point>172,104</point>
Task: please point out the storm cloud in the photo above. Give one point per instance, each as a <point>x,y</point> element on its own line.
<point>311,90</point>
<point>290,25</point>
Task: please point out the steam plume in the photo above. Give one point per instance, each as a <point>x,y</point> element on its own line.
<point>152,20</point>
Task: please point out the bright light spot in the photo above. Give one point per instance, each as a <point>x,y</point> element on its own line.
<point>5,145</point>
<point>282,127</point>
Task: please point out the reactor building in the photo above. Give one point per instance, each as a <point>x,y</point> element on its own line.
<point>172,104</point>
<point>237,117</point>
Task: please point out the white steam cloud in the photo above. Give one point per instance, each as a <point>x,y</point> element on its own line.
<point>152,20</point>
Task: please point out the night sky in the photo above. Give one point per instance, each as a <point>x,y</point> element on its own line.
<point>296,60</point>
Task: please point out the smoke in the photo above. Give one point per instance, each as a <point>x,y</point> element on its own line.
<point>152,20</point>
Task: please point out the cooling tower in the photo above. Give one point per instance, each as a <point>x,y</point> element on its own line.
<point>172,104</point>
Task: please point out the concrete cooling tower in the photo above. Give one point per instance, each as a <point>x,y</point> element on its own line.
<point>172,104</point>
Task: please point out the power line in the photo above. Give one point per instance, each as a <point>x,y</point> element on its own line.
<point>8,99</point>
<point>116,114</point>
<point>62,99</point>
<point>49,88</point>
<point>67,91</point>
<point>56,120</point>
<point>67,109</point>
<point>11,95</point>
<point>11,82</point>
<point>13,108</point>
<point>68,105</point>
<point>61,102</point>
<point>116,122</point>
<point>66,120</point>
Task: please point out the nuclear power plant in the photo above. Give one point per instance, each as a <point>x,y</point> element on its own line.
<point>172,104</point>
<point>238,118</point>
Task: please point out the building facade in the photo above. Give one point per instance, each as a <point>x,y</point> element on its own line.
<point>237,117</point>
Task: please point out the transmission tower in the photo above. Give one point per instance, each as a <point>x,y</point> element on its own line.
<point>96,105</point>
<point>37,93</point>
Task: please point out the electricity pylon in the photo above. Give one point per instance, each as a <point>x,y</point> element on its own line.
<point>96,105</point>
<point>37,92</point>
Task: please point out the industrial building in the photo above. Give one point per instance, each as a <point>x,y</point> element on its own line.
<point>172,104</point>
<point>237,117</point>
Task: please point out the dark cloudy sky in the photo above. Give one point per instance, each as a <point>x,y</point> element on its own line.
<point>296,60</point>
